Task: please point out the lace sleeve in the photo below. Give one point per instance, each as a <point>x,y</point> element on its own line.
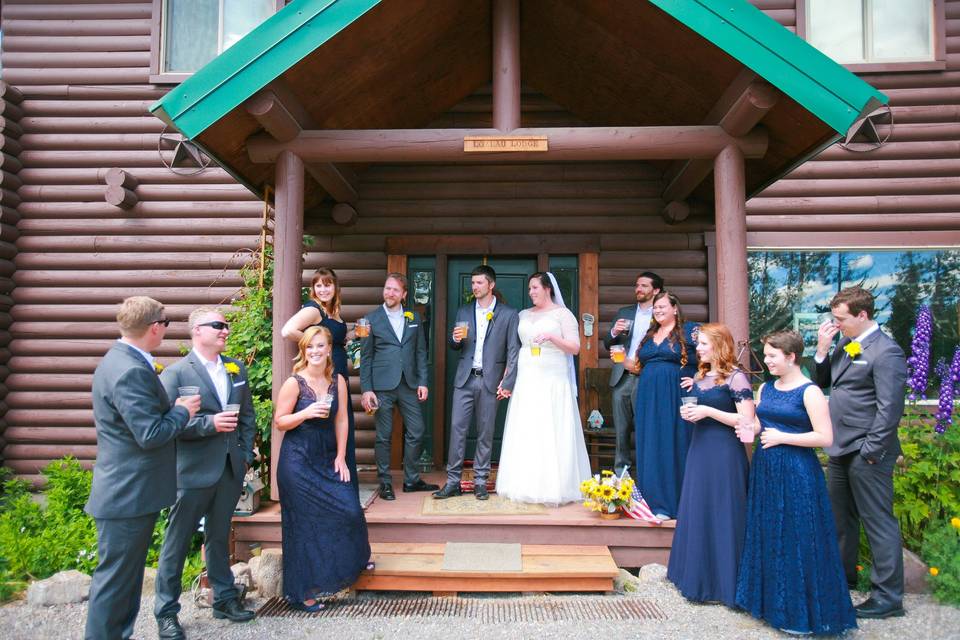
<point>739,385</point>
<point>569,328</point>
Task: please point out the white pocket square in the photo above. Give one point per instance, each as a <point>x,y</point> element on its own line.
<point>240,384</point>
<point>413,325</point>
<point>860,362</point>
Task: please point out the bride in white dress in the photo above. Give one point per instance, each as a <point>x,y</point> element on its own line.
<point>543,458</point>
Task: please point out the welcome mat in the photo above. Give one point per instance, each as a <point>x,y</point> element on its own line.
<point>488,556</point>
<point>468,505</point>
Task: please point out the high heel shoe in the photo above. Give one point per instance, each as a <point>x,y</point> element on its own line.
<point>308,608</point>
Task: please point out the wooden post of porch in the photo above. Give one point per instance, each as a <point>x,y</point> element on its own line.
<point>506,65</point>
<point>287,276</point>
<point>731,238</point>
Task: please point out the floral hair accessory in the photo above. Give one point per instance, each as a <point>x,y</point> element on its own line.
<point>408,315</point>
<point>158,367</point>
<point>853,349</point>
<point>231,368</point>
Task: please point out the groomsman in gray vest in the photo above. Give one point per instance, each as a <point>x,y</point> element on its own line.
<point>866,375</point>
<point>629,327</point>
<point>212,458</point>
<point>393,372</point>
<point>135,473</point>
<point>486,373</point>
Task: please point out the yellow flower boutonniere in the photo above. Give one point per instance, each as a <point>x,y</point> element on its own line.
<point>158,367</point>
<point>231,368</point>
<point>853,349</point>
<point>408,315</point>
<point>489,316</point>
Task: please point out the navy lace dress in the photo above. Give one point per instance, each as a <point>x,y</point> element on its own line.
<point>708,540</point>
<point>662,437</point>
<point>338,330</point>
<point>790,572</point>
<point>325,545</point>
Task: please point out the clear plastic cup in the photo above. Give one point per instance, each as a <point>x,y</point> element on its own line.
<point>463,329</point>
<point>688,400</point>
<point>745,430</point>
<point>232,408</point>
<point>325,403</point>
<point>186,392</point>
<point>617,353</point>
<point>362,328</point>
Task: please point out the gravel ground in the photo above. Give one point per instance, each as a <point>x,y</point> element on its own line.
<point>925,619</point>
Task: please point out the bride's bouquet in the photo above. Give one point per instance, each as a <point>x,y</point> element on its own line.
<point>606,492</point>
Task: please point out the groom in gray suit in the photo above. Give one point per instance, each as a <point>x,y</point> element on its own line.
<point>393,372</point>
<point>135,473</point>
<point>866,375</point>
<point>212,458</point>
<point>486,373</point>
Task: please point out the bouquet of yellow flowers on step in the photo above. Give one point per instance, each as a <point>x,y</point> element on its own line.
<point>606,492</point>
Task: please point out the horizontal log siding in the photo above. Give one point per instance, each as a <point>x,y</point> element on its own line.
<point>910,184</point>
<point>83,70</point>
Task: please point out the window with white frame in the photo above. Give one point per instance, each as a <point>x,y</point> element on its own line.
<point>873,31</point>
<point>194,32</point>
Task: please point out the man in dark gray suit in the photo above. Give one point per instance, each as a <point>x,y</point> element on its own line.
<point>212,458</point>
<point>866,375</point>
<point>486,373</point>
<point>628,329</point>
<point>135,473</point>
<point>393,372</point>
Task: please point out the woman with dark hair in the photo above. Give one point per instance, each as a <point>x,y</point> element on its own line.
<point>663,437</point>
<point>325,544</point>
<point>323,309</point>
<point>790,572</point>
<point>708,541</point>
<point>543,458</point>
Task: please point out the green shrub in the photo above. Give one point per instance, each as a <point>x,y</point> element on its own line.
<point>941,552</point>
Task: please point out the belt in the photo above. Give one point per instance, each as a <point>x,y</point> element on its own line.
<point>477,372</point>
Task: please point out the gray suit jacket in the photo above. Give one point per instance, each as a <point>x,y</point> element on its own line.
<point>625,313</point>
<point>866,397</point>
<point>384,360</point>
<point>201,449</point>
<point>501,347</point>
<point>135,472</point>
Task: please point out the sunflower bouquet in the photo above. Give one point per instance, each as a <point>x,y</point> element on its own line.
<point>606,492</point>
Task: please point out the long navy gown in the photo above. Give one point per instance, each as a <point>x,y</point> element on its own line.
<point>708,540</point>
<point>325,544</point>
<point>790,572</point>
<point>338,330</point>
<point>662,436</point>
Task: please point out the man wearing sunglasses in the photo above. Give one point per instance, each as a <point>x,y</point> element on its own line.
<point>212,458</point>
<point>134,476</point>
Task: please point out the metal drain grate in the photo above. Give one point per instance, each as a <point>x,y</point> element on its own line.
<point>484,611</point>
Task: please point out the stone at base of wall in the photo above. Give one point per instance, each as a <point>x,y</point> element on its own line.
<point>652,573</point>
<point>61,588</point>
<point>915,573</point>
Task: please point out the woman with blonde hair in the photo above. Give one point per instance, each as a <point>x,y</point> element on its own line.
<point>322,308</point>
<point>325,544</point>
<point>708,541</point>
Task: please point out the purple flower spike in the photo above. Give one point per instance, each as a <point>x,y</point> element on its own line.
<point>949,389</point>
<point>919,362</point>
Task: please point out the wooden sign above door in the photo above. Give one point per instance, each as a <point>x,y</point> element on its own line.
<point>501,144</point>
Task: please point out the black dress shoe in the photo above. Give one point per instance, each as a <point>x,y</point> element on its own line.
<point>480,491</point>
<point>386,492</point>
<point>233,611</point>
<point>870,608</point>
<point>448,491</point>
<point>168,628</point>
<point>419,485</point>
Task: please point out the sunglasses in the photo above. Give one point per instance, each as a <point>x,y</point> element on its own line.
<point>216,324</point>
<point>164,322</point>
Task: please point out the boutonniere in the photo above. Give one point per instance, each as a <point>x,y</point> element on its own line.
<point>158,367</point>
<point>408,316</point>
<point>489,316</point>
<point>853,349</point>
<point>231,368</point>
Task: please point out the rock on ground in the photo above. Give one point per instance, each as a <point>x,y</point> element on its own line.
<point>61,588</point>
<point>269,577</point>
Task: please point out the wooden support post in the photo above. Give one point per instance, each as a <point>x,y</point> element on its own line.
<point>287,274</point>
<point>589,294</point>
<point>439,389</point>
<point>506,65</point>
<point>731,224</point>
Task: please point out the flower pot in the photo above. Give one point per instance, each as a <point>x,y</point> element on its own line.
<point>606,515</point>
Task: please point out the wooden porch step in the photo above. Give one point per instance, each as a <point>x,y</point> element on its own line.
<point>419,567</point>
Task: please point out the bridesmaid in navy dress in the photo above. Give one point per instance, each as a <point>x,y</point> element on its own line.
<point>666,353</point>
<point>708,541</point>
<point>323,308</point>
<point>325,544</point>
<point>790,573</point>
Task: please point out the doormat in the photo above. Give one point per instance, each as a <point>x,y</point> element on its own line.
<point>489,556</point>
<point>468,505</point>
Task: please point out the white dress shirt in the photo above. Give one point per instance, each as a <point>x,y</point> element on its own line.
<point>481,323</point>
<point>641,323</point>
<point>217,373</point>
<point>396,321</point>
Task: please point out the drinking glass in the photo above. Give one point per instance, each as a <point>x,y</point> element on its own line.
<point>232,408</point>
<point>325,403</point>
<point>186,392</point>
<point>617,353</point>
<point>463,329</point>
<point>362,328</point>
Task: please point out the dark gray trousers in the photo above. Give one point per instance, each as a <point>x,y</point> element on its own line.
<point>215,504</point>
<point>622,396</point>
<point>404,397</point>
<point>472,399</point>
<point>863,492</point>
<point>122,545</point>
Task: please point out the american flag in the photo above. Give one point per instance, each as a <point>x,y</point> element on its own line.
<point>637,508</point>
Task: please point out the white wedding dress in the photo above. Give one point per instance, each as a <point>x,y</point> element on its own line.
<point>543,458</point>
